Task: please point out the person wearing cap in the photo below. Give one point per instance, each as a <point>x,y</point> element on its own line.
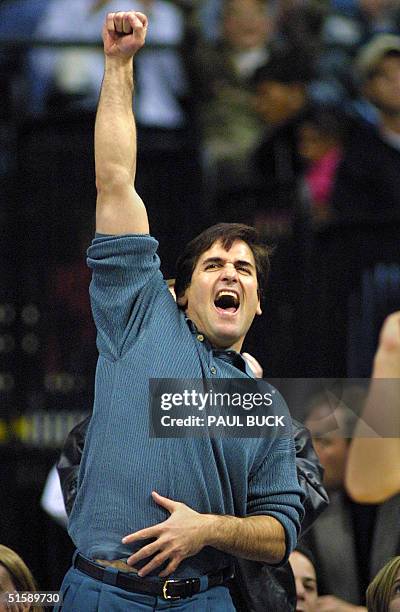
<point>160,518</point>
<point>368,180</point>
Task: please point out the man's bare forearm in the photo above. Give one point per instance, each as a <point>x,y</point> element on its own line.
<point>119,209</point>
<point>258,538</point>
<point>115,130</point>
<point>186,532</point>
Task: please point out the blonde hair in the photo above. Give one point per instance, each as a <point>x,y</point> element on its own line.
<point>379,592</point>
<point>19,573</point>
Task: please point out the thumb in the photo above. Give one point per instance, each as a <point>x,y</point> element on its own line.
<point>165,502</point>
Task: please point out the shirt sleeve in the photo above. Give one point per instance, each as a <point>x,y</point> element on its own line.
<point>125,282</point>
<point>273,488</point>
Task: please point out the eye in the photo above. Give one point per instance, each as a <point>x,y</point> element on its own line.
<point>244,269</point>
<point>212,266</point>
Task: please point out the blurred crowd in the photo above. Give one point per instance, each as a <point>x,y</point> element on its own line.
<point>286,110</point>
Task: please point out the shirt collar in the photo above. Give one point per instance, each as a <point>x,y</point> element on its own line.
<point>228,355</point>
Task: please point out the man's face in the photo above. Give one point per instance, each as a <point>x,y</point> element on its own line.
<point>330,445</point>
<point>222,298</point>
<point>306,582</point>
<point>394,605</point>
<point>383,89</point>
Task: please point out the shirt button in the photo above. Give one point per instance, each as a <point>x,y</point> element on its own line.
<point>200,337</point>
<point>213,370</point>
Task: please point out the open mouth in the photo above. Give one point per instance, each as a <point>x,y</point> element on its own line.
<point>227,301</point>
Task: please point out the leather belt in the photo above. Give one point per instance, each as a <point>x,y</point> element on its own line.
<point>168,589</point>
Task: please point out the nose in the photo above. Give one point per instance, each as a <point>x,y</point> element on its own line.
<point>229,272</point>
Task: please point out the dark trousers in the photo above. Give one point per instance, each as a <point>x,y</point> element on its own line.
<point>84,594</point>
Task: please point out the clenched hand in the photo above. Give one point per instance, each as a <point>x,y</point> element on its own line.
<point>124,33</point>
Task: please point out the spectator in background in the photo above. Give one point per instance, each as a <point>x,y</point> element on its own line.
<point>281,100</point>
<point>350,541</point>
<point>15,576</point>
<point>373,470</point>
<point>348,25</point>
<point>321,138</point>
<point>221,74</point>
<point>305,577</point>
<point>383,594</point>
<point>368,179</point>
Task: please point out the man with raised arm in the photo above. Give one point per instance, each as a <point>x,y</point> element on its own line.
<point>160,518</point>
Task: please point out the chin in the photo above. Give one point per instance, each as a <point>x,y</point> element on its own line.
<point>226,338</point>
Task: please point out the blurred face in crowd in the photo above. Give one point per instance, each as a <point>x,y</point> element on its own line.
<point>383,87</point>
<point>277,102</point>
<point>306,582</point>
<point>329,443</point>
<point>222,298</point>
<point>313,144</point>
<point>246,24</point>
<point>394,605</point>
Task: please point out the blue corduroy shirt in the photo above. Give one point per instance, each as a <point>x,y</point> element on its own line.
<point>142,334</point>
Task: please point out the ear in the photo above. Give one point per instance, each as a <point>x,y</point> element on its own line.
<point>182,301</point>
<point>258,311</point>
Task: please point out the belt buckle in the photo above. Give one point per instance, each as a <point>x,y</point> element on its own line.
<point>164,590</point>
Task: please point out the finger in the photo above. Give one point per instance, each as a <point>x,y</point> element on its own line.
<point>154,563</point>
<point>171,567</point>
<point>142,18</point>
<point>254,365</point>
<point>144,552</point>
<point>135,22</point>
<point>143,534</point>
<point>165,502</point>
<point>118,22</point>
<point>127,28</point>
<point>110,22</point>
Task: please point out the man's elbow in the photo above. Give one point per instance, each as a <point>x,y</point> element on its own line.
<point>275,547</point>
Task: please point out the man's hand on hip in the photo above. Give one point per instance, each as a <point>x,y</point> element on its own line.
<point>182,535</point>
<point>124,33</point>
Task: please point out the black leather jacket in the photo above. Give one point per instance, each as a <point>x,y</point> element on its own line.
<point>257,587</point>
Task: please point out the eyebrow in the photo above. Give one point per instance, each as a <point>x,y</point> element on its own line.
<point>220,260</point>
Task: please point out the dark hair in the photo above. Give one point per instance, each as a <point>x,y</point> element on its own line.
<point>226,233</point>
<point>286,65</point>
<point>306,552</point>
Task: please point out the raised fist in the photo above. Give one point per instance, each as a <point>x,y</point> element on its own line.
<point>124,33</point>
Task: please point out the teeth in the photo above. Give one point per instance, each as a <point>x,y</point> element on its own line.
<point>226,292</point>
